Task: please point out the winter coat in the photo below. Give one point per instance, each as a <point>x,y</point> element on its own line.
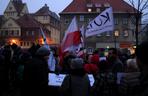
<point>35,77</point>
<point>74,85</point>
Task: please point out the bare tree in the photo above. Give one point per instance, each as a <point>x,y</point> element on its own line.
<point>140,8</point>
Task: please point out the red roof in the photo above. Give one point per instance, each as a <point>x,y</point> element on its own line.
<point>28,21</point>
<point>79,6</point>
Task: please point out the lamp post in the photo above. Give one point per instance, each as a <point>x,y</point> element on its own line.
<point>116,34</point>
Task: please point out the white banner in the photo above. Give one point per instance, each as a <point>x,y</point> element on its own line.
<point>102,23</point>
<point>57,80</point>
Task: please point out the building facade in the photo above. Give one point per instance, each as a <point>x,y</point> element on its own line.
<point>19,26</point>
<point>86,10</point>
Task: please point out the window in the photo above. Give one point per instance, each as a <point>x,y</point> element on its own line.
<point>12,33</point>
<point>45,18</point>
<point>97,5</point>
<point>24,43</point>
<point>81,18</point>
<point>6,33</point>
<point>106,5</point>
<point>32,33</point>
<point>89,5</point>
<point>27,43</point>
<point>66,21</point>
<point>108,33</point>
<point>89,10</point>
<point>125,33</point>
<point>21,43</point>
<point>98,35</point>
<point>16,33</point>
<point>9,24</point>
<point>125,21</point>
<point>98,10</point>
<point>10,8</point>
<point>116,21</point>
<point>116,33</point>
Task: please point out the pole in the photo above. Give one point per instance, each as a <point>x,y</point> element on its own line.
<point>115,42</point>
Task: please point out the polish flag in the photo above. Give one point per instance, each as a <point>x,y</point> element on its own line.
<point>72,37</point>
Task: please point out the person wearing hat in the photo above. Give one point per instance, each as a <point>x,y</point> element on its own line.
<point>36,74</point>
<point>77,82</point>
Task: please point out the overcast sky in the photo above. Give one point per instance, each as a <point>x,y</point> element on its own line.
<point>34,5</point>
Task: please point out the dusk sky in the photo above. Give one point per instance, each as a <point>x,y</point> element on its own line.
<point>34,5</point>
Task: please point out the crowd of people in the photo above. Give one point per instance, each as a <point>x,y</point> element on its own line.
<point>116,75</point>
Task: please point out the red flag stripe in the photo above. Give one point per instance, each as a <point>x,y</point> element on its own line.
<point>73,38</point>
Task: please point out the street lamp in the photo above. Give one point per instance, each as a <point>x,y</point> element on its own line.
<point>116,34</point>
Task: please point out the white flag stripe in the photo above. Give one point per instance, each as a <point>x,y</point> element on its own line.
<point>102,23</point>
<point>72,28</point>
<point>72,37</point>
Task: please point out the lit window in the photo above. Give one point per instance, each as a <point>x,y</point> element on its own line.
<point>125,33</point>
<point>81,18</point>
<point>116,33</point>
<point>98,10</point>
<point>89,10</point>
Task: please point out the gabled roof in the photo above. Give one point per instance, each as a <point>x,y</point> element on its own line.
<point>77,6</point>
<point>44,11</point>
<point>27,21</point>
<point>18,6</point>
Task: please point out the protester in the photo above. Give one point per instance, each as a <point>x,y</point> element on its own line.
<point>36,74</point>
<point>115,63</point>
<point>105,81</point>
<point>142,61</point>
<point>77,82</point>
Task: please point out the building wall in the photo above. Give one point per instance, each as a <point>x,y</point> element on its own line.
<point>123,23</point>
<point>43,19</point>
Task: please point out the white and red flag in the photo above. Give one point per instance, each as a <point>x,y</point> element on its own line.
<point>72,37</point>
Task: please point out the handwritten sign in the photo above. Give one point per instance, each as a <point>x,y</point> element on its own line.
<point>57,80</point>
